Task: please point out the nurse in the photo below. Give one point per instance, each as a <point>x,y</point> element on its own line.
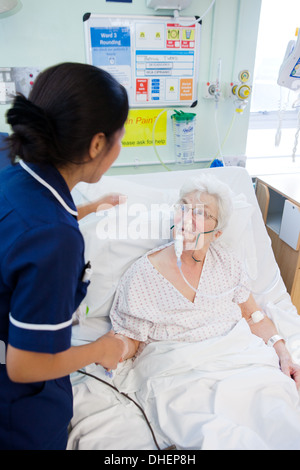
<point>69,130</point>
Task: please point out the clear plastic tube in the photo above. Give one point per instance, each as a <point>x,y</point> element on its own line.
<point>178,245</point>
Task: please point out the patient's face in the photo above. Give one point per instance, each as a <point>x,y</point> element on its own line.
<point>196,213</point>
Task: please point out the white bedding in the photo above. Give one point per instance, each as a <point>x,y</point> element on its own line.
<point>222,393</point>
<point>217,394</point>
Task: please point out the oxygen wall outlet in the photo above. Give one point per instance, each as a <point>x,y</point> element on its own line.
<point>212,91</point>
<point>209,90</point>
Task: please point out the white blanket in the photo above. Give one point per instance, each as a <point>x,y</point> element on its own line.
<point>223,393</point>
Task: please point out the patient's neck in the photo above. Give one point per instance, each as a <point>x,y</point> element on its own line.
<point>193,257</point>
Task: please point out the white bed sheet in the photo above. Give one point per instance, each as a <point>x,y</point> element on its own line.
<point>102,417</point>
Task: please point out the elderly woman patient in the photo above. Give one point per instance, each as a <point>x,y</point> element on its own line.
<point>155,301</point>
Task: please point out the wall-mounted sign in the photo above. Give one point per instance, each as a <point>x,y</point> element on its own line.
<point>139,128</point>
<point>155,58</point>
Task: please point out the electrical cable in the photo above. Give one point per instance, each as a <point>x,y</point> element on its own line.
<point>212,35</point>
<point>129,398</point>
<point>225,139</point>
<point>218,135</point>
<point>198,20</point>
<point>153,136</point>
<point>217,99</point>
<point>153,139</point>
<point>296,138</point>
<point>236,41</point>
<point>281,112</point>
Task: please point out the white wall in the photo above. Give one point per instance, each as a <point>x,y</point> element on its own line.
<point>41,33</point>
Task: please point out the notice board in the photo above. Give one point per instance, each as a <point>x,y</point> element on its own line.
<point>156,58</point>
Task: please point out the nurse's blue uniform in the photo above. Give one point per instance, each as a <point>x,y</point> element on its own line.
<point>41,268</point>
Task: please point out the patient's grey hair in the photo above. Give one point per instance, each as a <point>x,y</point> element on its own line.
<point>211,185</point>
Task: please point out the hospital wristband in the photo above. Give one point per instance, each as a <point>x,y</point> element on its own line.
<point>274,339</point>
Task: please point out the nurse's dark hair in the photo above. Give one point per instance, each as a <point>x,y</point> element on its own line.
<point>68,105</point>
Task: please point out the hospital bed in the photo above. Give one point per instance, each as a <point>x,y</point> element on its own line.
<point>104,418</point>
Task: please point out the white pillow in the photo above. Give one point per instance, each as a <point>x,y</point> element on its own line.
<point>111,257</point>
<point>238,235</point>
<point>146,195</point>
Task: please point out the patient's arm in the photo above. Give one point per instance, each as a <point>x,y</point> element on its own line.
<point>265,329</point>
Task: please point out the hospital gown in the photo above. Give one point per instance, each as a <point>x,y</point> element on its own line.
<point>147,307</point>
<point>204,380</point>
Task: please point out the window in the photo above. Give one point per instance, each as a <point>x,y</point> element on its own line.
<point>273,108</point>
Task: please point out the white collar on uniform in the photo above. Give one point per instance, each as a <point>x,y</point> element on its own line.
<point>48,186</point>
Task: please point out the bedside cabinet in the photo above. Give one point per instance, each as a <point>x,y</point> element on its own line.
<point>279,199</point>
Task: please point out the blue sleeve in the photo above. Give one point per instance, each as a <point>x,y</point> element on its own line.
<point>43,269</point>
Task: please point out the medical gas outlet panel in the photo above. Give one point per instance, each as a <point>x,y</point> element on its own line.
<point>155,58</point>
<point>239,91</point>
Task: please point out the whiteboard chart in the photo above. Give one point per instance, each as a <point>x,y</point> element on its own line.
<point>154,57</point>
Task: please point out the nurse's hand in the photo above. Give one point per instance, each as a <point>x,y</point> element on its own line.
<point>27,366</point>
<point>110,350</point>
<point>110,200</point>
<point>105,202</point>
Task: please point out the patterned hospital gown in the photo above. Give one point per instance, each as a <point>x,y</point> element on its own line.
<point>147,307</point>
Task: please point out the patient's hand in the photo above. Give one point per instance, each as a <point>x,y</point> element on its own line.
<point>286,363</point>
<point>290,369</point>
<point>131,347</point>
<point>110,350</point>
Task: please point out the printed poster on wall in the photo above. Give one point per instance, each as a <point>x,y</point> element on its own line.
<point>155,58</point>
<point>139,128</point>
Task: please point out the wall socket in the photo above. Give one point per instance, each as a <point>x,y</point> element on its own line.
<point>239,160</point>
<point>16,80</point>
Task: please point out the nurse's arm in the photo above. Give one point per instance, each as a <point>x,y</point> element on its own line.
<point>106,202</point>
<point>26,366</point>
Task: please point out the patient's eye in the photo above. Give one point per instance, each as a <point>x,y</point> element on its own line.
<point>185,207</point>
<point>200,212</point>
